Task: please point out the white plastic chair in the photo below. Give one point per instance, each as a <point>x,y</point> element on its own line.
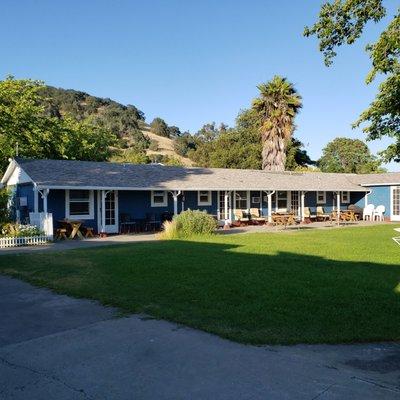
<point>368,212</point>
<point>378,213</point>
<point>397,239</point>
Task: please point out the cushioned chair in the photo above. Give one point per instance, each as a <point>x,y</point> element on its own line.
<point>256,216</point>
<point>321,214</point>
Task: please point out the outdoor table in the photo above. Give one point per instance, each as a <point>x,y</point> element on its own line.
<point>75,226</point>
<point>283,219</point>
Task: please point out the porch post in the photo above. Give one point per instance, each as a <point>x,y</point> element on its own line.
<point>103,211</point>
<point>338,207</point>
<point>35,199</point>
<point>302,206</point>
<point>175,195</point>
<point>45,192</point>
<point>269,194</point>
<point>226,200</point>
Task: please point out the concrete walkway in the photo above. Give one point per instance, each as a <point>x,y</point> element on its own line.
<point>56,347</point>
<point>79,244</point>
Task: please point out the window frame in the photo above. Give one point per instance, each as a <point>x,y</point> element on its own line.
<point>324,197</point>
<point>88,216</point>
<point>342,200</point>
<point>165,195</point>
<point>202,193</point>
<point>247,199</point>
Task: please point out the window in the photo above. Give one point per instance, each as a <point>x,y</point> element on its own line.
<point>204,198</point>
<point>241,200</point>
<point>159,198</point>
<point>281,202</point>
<point>345,197</point>
<point>321,197</point>
<point>79,204</point>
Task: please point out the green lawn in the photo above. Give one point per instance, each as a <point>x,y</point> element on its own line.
<point>313,286</point>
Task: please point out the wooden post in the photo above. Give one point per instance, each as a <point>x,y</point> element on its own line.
<point>269,195</point>
<point>103,212</point>
<point>226,203</point>
<point>175,195</point>
<point>35,199</point>
<point>45,193</point>
<point>302,206</point>
<point>338,208</point>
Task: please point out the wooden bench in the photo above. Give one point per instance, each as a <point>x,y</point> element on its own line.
<point>61,234</point>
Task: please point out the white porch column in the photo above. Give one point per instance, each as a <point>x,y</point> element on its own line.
<point>103,211</point>
<point>338,207</point>
<point>226,203</point>
<point>44,194</point>
<point>302,206</point>
<point>35,199</point>
<point>269,195</point>
<point>175,195</point>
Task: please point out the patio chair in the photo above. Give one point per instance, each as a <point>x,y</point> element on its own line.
<point>368,212</point>
<point>307,214</point>
<point>378,213</point>
<point>397,238</point>
<point>256,216</point>
<point>321,214</point>
<point>241,216</point>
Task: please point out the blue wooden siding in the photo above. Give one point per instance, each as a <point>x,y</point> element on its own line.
<point>137,204</point>
<point>380,195</point>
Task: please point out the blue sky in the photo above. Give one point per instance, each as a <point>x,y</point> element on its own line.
<point>190,62</point>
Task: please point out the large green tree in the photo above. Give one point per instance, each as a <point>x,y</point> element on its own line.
<point>240,146</point>
<point>276,108</point>
<point>348,155</point>
<point>25,125</point>
<point>343,22</point>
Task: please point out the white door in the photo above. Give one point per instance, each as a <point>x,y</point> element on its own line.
<point>395,203</point>
<point>111,211</point>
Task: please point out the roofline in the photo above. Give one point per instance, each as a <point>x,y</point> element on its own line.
<point>10,169</point>
<point>71,187</point>
<point>379,184</point>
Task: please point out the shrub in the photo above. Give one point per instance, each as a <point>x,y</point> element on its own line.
<point>153,146</point>
<point>17,230</point>
<point>169,231</point>
<point>195,223</point>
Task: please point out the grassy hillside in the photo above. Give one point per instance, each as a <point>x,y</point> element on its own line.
<point>125,121</point>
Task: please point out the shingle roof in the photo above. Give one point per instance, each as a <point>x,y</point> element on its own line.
<point>388,178</point>
<point>102,175</point>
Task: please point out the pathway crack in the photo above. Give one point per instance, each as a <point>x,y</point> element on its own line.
<point>45,375</point>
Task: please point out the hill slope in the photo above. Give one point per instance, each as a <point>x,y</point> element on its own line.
<point>125,121</point>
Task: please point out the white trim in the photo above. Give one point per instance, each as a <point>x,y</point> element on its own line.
<point>379,184</point>
<point>164,203</point>
<point>323,201</point>
<point>393,217</point>
<point>83,216</point>
<point>342,197</point>
<point>204,203</point>
<point>195,189</point>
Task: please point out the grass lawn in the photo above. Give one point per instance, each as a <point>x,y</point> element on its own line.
<point>338,285</point>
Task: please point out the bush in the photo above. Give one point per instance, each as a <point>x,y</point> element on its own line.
<point>4,211</point>
<point>153,146</point>
<point>17,230</point>
<point>189,223</point>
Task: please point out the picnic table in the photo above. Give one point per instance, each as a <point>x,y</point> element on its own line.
<point>283,219</point>
<point>73,227</point>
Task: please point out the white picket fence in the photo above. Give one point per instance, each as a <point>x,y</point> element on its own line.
<point>24,241</point>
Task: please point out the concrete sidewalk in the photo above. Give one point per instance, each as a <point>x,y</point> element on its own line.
<point>55,347</point>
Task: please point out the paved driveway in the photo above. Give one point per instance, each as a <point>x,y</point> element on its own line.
<point>55,347</point>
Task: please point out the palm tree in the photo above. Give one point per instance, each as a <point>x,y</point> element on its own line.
<point>277,108</point>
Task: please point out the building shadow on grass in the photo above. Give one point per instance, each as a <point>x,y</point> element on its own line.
<point>282,297</point>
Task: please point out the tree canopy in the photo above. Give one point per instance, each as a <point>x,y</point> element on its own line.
<point>343,22</point>
<point>349,156</point>
<point>238,147</point>
<point>24,123</point>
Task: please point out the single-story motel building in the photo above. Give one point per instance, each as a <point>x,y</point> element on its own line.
<point>98,193</point>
